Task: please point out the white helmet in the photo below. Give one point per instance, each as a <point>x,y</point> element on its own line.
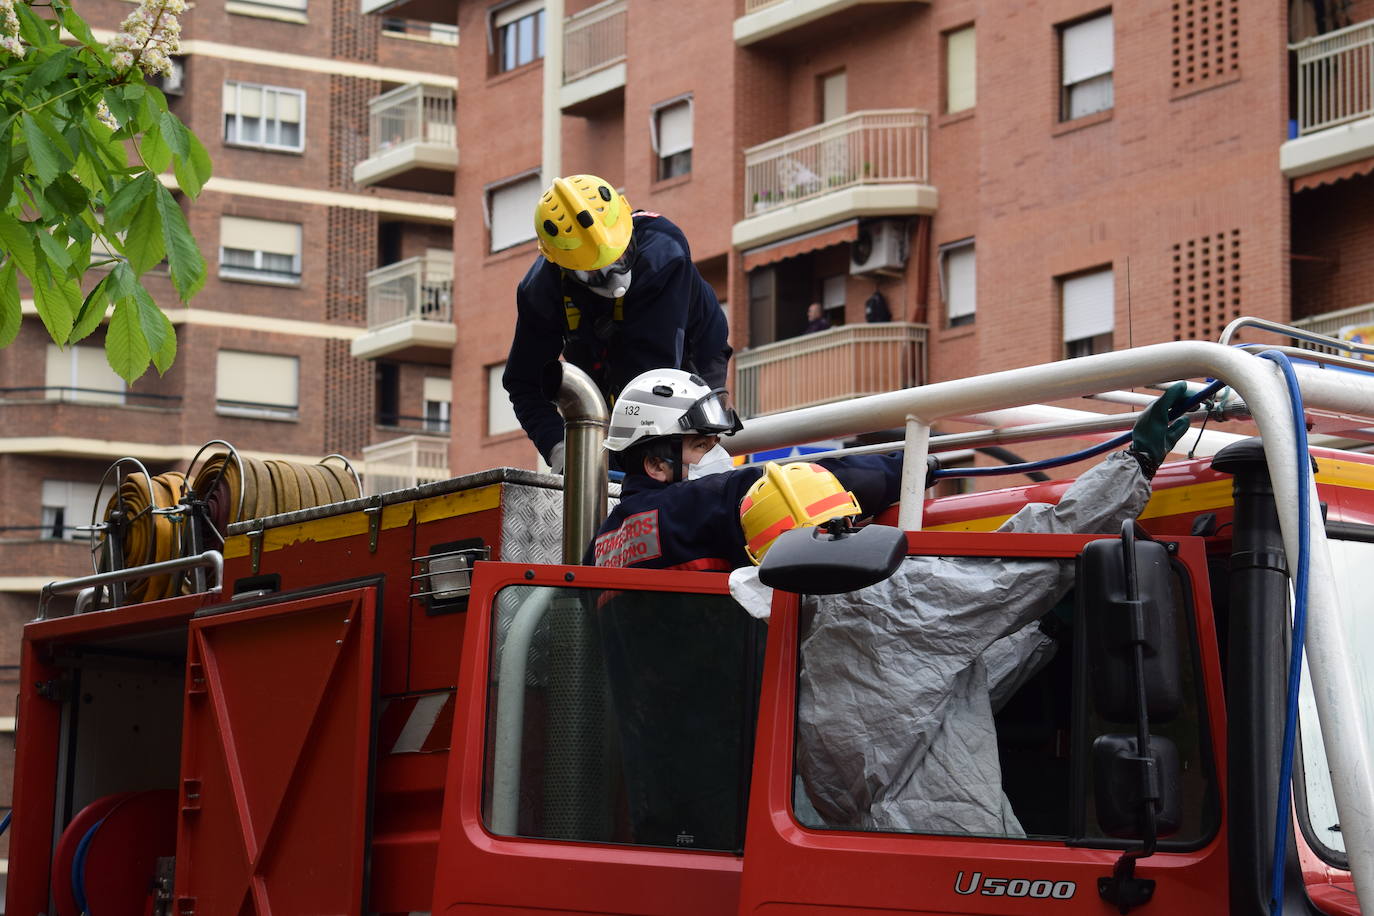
<point>668,402</point>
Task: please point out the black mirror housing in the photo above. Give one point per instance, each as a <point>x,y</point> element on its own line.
<point>815,561</point>
<point>1114,625</point>
<point>1120,780</point>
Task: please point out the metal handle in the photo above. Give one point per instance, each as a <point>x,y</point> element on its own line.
<point>211,558</point>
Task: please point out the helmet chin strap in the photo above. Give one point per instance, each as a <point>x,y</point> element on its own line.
<point>679,466</point>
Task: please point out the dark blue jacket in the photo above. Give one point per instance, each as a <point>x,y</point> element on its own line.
<point>695,524</point>
<point>670,319</point>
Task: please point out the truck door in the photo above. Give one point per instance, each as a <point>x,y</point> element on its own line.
<point>893,775</point>
<point>606,719</point>
<point>275,751</point>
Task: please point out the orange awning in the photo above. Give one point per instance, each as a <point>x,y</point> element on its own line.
<point>790,247</point>
<point>1333,175</point>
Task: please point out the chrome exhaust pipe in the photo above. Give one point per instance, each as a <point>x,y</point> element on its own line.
<point>585,463</point>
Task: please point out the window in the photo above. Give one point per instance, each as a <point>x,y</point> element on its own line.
<point>1089,306</point>
<point>260,250</point>
<point>256,384</point>
<point>959,282</point>
<point>509,207</point>
<point>663,694</point>
<point>518,34</point>
<point>246,6</point>
<point>81,373</point>
<point>833,92</point>
<point>1085,65</point>
<point>875,715</point>
<point>671,130</point>
<point>500,414</point>
<point>438,395</point>
<point>833,298</point>
<point>438,32</point>
<point>67,504</point>
<point>960,71</point>
<point>265,117</point>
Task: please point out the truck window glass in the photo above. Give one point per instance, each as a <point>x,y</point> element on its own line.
<point>1349,560</point>
<point>960,697</point>
<point>621,717</point>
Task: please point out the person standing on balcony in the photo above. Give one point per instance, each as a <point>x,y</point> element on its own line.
<point>815,319</point>
<point>613,291</point>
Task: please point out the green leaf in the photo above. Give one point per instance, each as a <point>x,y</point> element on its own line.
<point>123,283</point>
<point>10,314</point>
<point>34,29</point>
<point>52,300</point>
<point>126,349</point>
<point>66,195</point>
<point>18,244</point>
<point>46,72</point>
<point>48,159</point>
<point>124,111</point>
<point>92,310</point>
<point>200,159</point>
<point>157,329</point>
<point>157,155</point>
<point>77,28</point>
<point>143,245</point>
<point>58,259</point>
<point>175,133</point>
<point>121,207</point>
<point>183,256</point>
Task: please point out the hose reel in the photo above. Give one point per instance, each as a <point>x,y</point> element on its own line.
<point>150,518</point>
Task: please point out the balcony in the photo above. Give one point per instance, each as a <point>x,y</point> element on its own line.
<point>593,56</point>
<point>412,140</point>
<point>828,366</point>
<point>405,462</point>
<point>441,12</point>
<point>1335,89</point>
<point>1340,324</point>
<point>410,311</point>
<point>869,163</point>
<point>766,18</point>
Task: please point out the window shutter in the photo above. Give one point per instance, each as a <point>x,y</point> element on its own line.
<point>439,389</point>
<point>512,212</point>
<point>500,414</point>
<point>288,107</point>
<point>1087,49</point>
<point>674,128</point>
<point>510,13</point>
<point>257,378</point>
<point>960,70</point>
<point>832,292</point>
<point>260,235</point>
<point>833,96</point>
<point>1089,307</point>
<point>961,279</point>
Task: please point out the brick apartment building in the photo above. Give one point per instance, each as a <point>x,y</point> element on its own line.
<point>327,226</point>
<point>1020,181</point>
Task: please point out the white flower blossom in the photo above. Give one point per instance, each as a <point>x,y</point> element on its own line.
<point>103,114</point>
<point>9,29</point>
<point>147,37</point>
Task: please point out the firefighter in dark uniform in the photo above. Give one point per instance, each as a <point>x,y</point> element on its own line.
<point>676,511</point>
<point>616,293</point>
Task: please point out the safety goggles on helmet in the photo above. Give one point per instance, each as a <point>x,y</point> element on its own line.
<point>711,416</point>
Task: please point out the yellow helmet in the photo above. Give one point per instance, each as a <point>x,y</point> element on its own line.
<point>582,223</point>
<point>790,496</point>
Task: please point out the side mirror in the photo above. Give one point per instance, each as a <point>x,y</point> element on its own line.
<point>1119,617</point>
<point>823,561</point>
<point>1124,782</point>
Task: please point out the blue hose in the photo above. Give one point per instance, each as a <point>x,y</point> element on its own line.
<point>1290,724</point>
<point>1090,452</point>
<point>5,821</point>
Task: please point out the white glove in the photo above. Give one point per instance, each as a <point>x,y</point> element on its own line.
<point>751,594</point>
<point>556,459</point>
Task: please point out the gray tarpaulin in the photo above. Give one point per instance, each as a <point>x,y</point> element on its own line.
<point>899,680</point>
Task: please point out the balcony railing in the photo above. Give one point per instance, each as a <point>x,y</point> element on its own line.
<point>1332,323</point>
<point>593,39</point>
<point>416,289</point>
<point>411,114</point>
<point>1335,77</point>
<point>405,462</point>
<point>753,6</point>
<point>866,147</point>
<point>834,365</point>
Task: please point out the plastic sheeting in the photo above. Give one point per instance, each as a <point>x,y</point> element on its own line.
<point>899,681</point>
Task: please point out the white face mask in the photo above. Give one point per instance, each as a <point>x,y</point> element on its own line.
<point>716,461</point>
<point>610,283</point>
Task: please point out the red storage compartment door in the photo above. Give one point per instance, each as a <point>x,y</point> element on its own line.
<point>275,756</point>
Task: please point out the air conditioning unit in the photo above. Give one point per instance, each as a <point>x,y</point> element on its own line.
<point>880,247</point>
<point>173,82</point>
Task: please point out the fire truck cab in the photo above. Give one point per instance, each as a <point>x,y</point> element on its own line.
<point>419,702</point>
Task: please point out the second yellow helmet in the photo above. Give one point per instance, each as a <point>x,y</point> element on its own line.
<point>582,223</point>
<point>790,496</point>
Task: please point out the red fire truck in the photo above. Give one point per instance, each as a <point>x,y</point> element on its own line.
<point>408,703</point>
